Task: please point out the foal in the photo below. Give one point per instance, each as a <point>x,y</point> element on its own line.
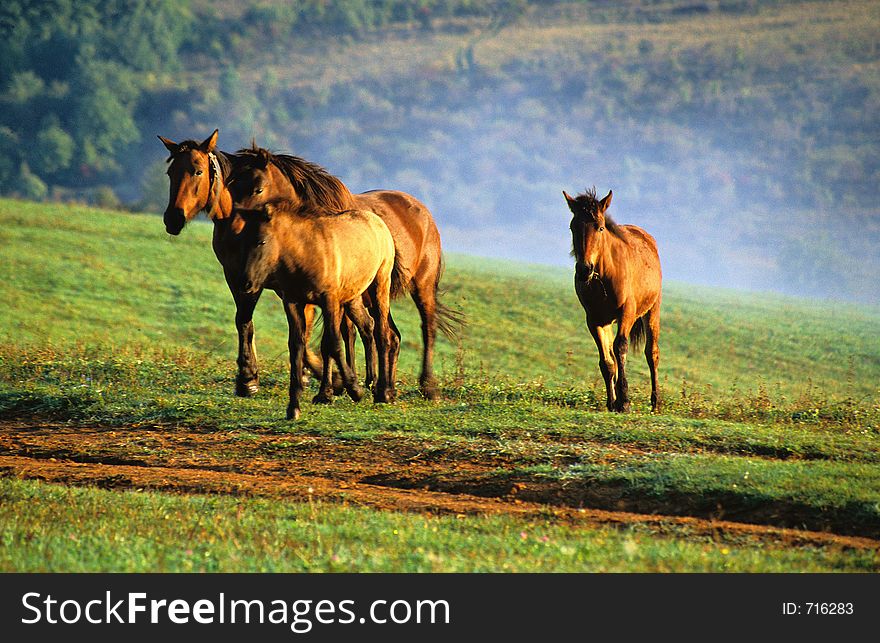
<point>617,278</point>
<point>328,260</point>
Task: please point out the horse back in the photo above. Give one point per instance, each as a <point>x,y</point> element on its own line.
<point>645,274</point>
<point>411,225</point>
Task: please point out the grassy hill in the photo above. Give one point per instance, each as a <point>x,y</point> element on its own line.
<point>771,411</point>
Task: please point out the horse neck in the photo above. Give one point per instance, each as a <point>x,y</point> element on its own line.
<point>610,247</point>
<point>296,235</point>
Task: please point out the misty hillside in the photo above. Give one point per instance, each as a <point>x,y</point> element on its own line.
<point>743,134</point>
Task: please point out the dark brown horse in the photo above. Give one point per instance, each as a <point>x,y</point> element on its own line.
<point>617,278</point>
<point>198,174</point>
<point>325,259</point>
<point>262,176</point>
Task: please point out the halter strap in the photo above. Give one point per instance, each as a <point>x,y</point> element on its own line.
<point>215,181</point>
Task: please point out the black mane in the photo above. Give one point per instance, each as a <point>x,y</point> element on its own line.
<point>312,183</point>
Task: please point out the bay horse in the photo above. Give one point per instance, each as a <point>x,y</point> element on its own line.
<point>262,176</point>
<point>327,259</point>
<point>198,173</point>
<point>617,278</point>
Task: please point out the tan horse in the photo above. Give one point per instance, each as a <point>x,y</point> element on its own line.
<point>617,278</point>
<point>328,260</point>
<point>198,174</point>
<point>262,176</point>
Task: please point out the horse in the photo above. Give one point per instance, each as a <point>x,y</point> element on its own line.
<point>262,176</point>
<point>198,173</point>
<point>327,259</point>
<point>617,278</point>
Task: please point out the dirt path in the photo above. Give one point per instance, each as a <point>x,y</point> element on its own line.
<point>382,475</point>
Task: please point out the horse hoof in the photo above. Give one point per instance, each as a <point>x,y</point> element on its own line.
<point>293,413</point>
<point>430,392</point>
<point>320,398</point>
<point>356,393</point>
<point>384,397</point>
<point>623,408</point>
<point>246,389</point>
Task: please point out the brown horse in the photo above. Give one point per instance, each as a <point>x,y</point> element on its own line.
<point>262,176</point>
<point>198,174</point>
<point>325,259</point>
<point>617,278</point>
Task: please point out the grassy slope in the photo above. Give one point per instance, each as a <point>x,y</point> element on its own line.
<point>770,401</point>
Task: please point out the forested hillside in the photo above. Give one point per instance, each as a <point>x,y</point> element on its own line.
<point>743,134</point>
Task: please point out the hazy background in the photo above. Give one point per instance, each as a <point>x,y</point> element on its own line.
<point>743,134</point>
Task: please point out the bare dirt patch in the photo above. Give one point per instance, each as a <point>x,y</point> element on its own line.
<point>384,474</point>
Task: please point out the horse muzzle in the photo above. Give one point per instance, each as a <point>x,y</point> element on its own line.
<point>174,221</point>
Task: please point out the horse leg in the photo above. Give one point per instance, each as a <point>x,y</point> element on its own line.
<point>313,362</point>
<point>346,330</point>
<point>607,364</point>
<point>296,345</point>
<point>247,381</point>
<point>357,313</point>
<point>621,346</point>
<point>393,350</point>
<point>331,349</point>
<point>425,298</point>
<point>652,351</point>
<point>380,310</point>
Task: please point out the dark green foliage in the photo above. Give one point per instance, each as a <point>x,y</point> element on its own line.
<point>73,74</point>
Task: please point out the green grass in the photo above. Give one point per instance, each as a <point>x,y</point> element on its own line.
<point>52,529</point>
<point>771,405</point>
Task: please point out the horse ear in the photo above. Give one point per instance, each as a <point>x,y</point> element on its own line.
<point>568,200</point>
<point>210,143</point>
<point>604,203</point>
<point>170,145</point>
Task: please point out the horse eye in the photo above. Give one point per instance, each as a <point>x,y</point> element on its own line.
<point>262,242</point>
<point>601,228</point>
<point>258,190</point>
<point>199,172</point>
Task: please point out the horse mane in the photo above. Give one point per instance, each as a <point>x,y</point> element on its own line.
<point>286,207</point>
<point>312,183</point>
<point>590,203</point>
<point>225,161</point>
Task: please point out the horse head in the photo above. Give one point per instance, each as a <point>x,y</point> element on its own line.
<point>258,247</point>
<point>196,180</point>
<point>587,230</point>
<point>258,180</point>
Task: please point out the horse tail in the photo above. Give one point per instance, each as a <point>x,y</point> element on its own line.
<point>638,333</point>
<point>449,320</point>
<point>400,276</point>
